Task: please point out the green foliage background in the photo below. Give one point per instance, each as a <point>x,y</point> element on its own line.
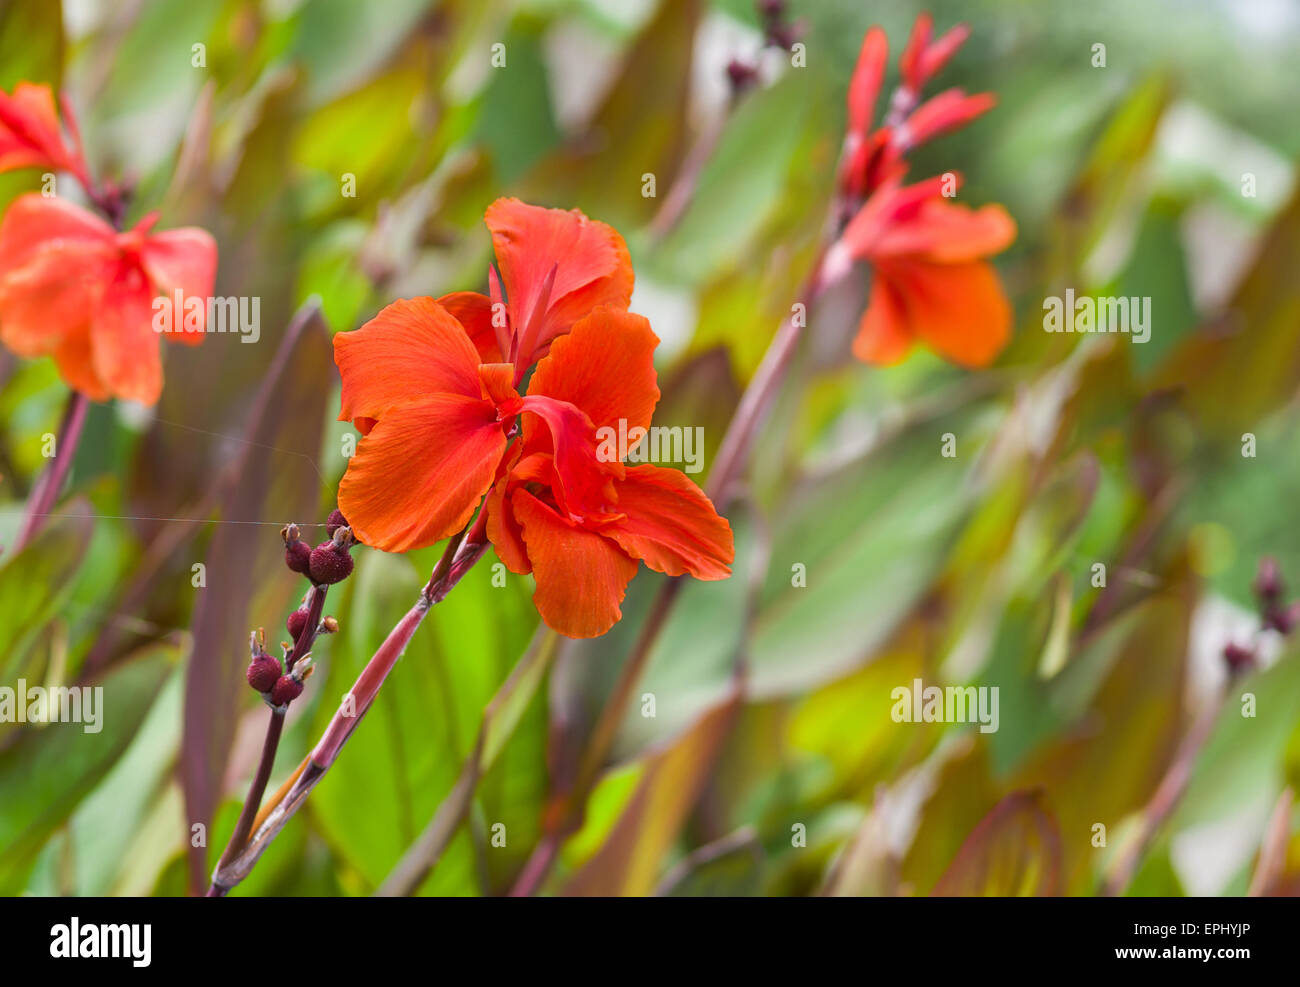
<point>1073,450</point>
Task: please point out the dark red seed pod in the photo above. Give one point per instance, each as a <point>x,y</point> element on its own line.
<point>1282,619</point>
<point>330,564</point>
<point>1238,658</point>
<point>286,690</point>
<point>296,622</point>
<point>297,556</point>
<point>1268,580</point>
<point>263,672</point>
<point>335,521</point>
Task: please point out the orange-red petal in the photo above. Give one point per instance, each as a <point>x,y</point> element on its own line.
<point>474,312</point>
<point>591,263</point>
<point>583,482</point>
<point>958,309</point>
<point>33,222</point>
<point>184,259</point>
<point>29,129</point>
<point>605,367</point>
<point>123,343</point>
<point>883,336</point>
<point>864,86</point>
<point>581,576</point>
<point>944,232</point>
<point>671,525</point>
<point>421,471</point>
<point>411,349</point>
<point>947,111</point>
<point>504,531</point>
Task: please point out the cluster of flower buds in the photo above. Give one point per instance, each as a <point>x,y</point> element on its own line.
<point>329,562</point>
<point>778,32</point>
<point>871,158</point>
<point>1275,614</point>
<point>267,675</point>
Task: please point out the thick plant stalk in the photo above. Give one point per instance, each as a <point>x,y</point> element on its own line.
<point>1166,798</point>
<point>461,554</point>
<point>46,492</point>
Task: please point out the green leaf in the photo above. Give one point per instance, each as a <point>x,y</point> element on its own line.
<point>47,773</point>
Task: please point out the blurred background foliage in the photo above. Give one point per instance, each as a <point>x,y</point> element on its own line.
<point>771,765</point>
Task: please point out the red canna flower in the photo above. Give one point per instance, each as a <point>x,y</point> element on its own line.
<point>442,428</point>
<point>556,266</point>
<point>73,287</point>
<point>931,282</point>
<point>581,539</point>
<point>30,135</point>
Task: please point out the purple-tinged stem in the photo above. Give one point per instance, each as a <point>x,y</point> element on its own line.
<point>461,554</point>
<point>46,491</point>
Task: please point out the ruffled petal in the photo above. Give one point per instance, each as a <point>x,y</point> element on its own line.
<point>671,525</point>
<point>413,348</point>
<point>474,312</point>
<point>419,474</point>
<point>581,576</point>
<point>583,482</point>
<point>590,260</point>
<point>883,337</point>
<point>958,309</point>
<point>605,367</point>
<point>186,260</point>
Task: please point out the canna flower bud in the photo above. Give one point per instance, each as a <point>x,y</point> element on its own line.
<point>329,625</point>
<point>296,622</point>
<point>330,561</point>
<point>263,672</point>
<point>286,690</point>
<point>335,521</point>
<point>297,553</point>
<point>1238,658</point>
<point>1268,580</point>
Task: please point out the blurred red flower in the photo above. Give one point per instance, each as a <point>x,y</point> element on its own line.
<point>931,282</point>
<point>73,287</point>
<point>30,135</point>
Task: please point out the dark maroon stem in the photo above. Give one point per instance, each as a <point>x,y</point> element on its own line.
<point>251,804</point>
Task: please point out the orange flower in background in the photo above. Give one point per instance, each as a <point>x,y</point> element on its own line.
<point>556,266</point>
<point>439,421</point>
<point>30,135</point>
<point>74,288</point>
<point>931,282</point>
